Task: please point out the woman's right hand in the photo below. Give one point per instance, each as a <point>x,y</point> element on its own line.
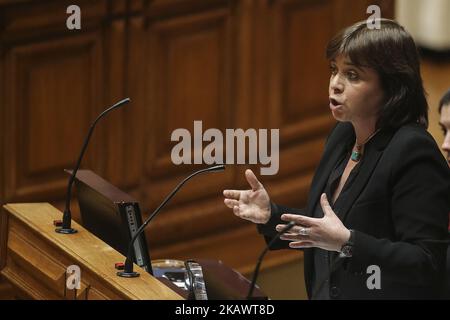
<point>252,205</point>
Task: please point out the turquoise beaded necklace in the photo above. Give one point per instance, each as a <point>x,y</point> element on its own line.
<point>357,151</point>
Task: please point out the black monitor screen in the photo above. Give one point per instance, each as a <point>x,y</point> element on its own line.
<point>111,214</point>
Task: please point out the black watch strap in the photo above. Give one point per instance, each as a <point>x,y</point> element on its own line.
<point>347,248</point>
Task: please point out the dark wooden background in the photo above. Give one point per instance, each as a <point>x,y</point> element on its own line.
<point>232,64</point>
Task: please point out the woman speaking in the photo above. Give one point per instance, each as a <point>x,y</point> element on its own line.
<point>380,196</point>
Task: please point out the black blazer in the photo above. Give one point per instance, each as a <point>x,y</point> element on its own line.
<point>398,206</point>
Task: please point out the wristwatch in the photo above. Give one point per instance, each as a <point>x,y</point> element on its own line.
<point>347,248</point>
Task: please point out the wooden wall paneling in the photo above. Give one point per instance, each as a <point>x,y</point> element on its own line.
<point>51,98</point>
<point>192,75</point>
<point>6,290</point>
<point>41,29</point>
<point>3,238</point>
<point>162,9</point>
<point>118,7</point>
<point>190,80</point>
<point>3,121</point>
<point>117,124</point>
<point>299,73</point>
<point>192,62</point>
<point>249,76</point>
<point>134,121</point>
<point>297,95</point>
<point>244,74</point>
<point>137,6</point>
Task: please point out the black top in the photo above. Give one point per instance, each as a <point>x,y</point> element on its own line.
<point>322,257</point>
<point>397,204</point>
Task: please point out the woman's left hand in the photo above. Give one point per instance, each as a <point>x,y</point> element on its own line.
<point>328,233</point>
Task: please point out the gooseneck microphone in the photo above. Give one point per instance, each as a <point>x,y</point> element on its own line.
<point>65,226</point>
<point>128,265</point>
<point>260,259</point>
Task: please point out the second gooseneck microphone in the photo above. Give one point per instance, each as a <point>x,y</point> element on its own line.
<point>128,266</point>
<point>258,265</point>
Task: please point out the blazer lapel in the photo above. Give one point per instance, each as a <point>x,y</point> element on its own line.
<point>373,152</point>
<point>332,154</point>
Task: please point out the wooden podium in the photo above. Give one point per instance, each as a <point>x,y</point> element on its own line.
<point>34,259</point>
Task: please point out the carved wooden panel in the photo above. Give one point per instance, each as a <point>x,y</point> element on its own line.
<point>189,79</point>
<point>126,145</point>
<point>190,63</point>
<point>302,36</point>
<point>51,98</point>
<point>124,138</point>
<point>298,90</point>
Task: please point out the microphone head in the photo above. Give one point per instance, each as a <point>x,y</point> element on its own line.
<point>289,226</point>
<point>121,102</point>
<point>220,167</point>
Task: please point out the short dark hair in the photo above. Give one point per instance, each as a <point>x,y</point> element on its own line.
<point>392,53</point>
<point>445,100</point>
